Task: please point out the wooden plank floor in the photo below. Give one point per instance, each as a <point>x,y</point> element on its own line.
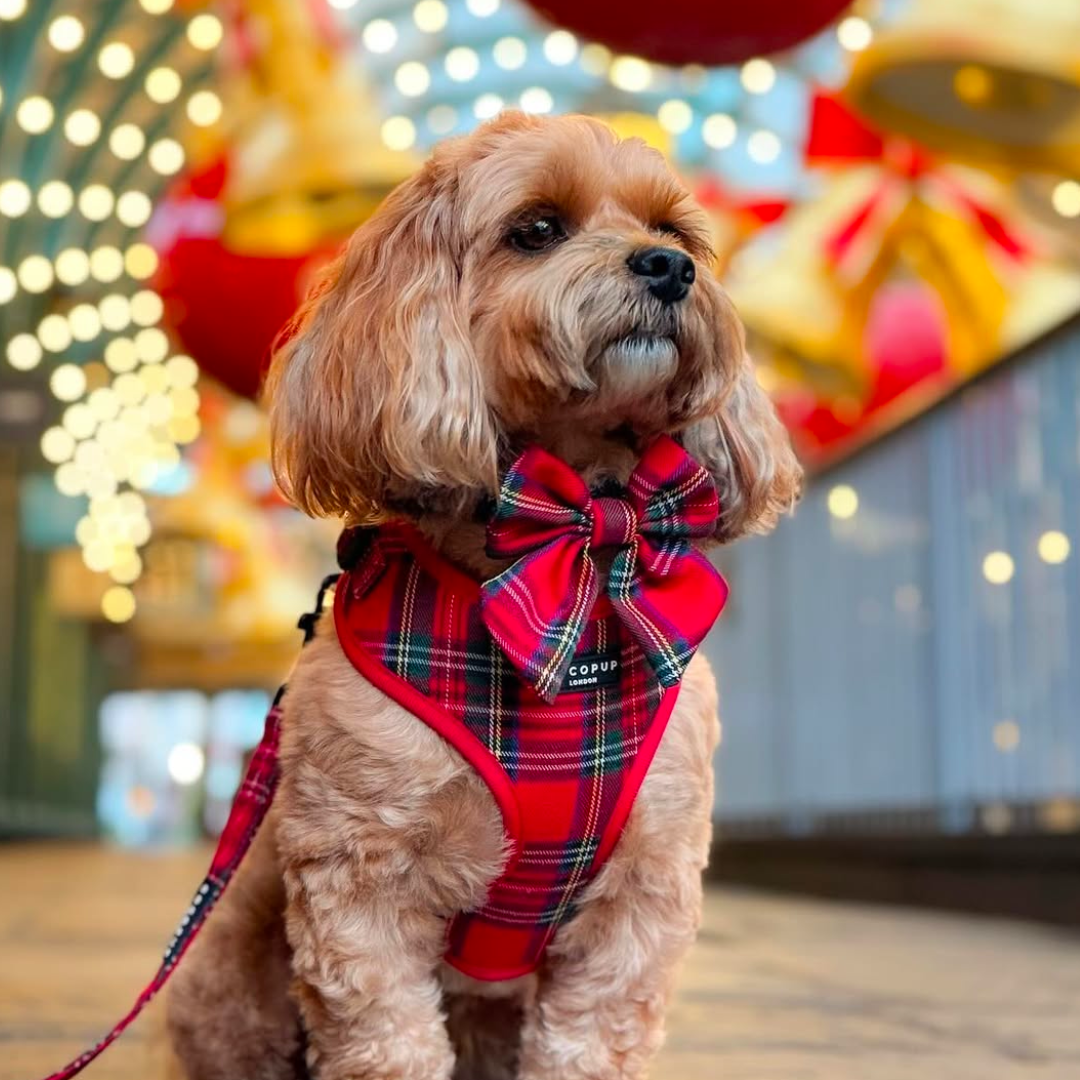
<point>777,989</point>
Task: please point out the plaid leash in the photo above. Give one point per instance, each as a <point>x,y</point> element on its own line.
<point>249,808</point>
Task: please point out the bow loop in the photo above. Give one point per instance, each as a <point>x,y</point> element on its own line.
<point>665,593</point>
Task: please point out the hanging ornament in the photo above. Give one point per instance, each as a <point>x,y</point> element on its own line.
<point>693,32</point>
<point>987,80</point>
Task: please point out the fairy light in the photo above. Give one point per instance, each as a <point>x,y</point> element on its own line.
<point>85,322</point>
<point>854,34</point>
<point>560,47</point>
<point>151,345</point>
<point>14,198</point>
<point>430,16</point>
<point>155,7</point>
<point>67,382</point>
<point>116,60</point>
<point>55,199</point>
<point>486,106</point>
<point>412,78</point>
<point>146,307</point>
<point>120,356</point>
<point>1066,199</point>
<point>462,63</point>
<point>66,33</point>
<point>133,208</point>
<point>537,100</point>
<point>510,53</point>
<point>127,141</point>
<point>8,285</point>
<point>843,502</point>
<point>96,202</point>
<point>204,108</point>
<point>998,567</point>
<point>24,352</point>
<point>763,147</point>
<point>72,267</point>
<point>1054,547</point>
<point>140,261</point>
<point>675,116</point>
<point>106,264</point>
<point>79,421</point>
<point>166,157</point>
<point>54,333</point>
<point>719,131</point>
<point>205,32</point>
<point>758,76</point>
<point>398,132</point>
<point>10,10</point>
<point>118,606</point>
<point>596,59</point>
<point>57,445</point>
<point>379,36</point>
<point>104,404</point>
<point>482,9</point>
<point>68,479</point>
<point>34,114</point>
<point>162,85</point>
<point>630,73</point>
<point>442,119</point>
<point>82,127</point>
<point>181,370</point>
<point>35,273</point>
<point>115,312</point>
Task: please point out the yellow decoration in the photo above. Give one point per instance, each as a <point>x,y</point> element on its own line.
<point>990,80</point>
<point>309,164</point>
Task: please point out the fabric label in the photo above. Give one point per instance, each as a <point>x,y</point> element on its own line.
<point>590,671</point>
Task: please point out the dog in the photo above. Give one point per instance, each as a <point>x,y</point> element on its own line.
<point>537,283</point>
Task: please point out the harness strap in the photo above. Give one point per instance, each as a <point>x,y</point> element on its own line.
<point>249,808</point>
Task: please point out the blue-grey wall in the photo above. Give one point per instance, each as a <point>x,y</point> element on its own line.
<point>865,663</point>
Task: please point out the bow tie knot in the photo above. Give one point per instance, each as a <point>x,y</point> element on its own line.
<point>614,523</point>
<point>665,593</point>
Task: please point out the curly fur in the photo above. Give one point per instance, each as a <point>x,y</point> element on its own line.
<point>429,355</point>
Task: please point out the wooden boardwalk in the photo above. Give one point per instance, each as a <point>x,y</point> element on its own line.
<point>777,989</point>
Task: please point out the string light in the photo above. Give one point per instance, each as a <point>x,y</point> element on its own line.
<point>85,322</point>
<point>998,567</point>
<point>1006,736</point>
<point>758,76</point>
<point>162,85</point>
<point>34,115</point>
<point>8,285</point>
<point>55,199</point>
<point>133,208</point>
<point>204,108</point>
<point>181,370</point>
<point>166,157</point>
<point>116,60</point>
<point>126,141</point>
<point>35,273</point>
<point>482,8</point>
<point>442,119</point>
<point>151,345</point>
<point>537,100</point>
<point>1054,547</point>
<point>205,32</point>
<point>379,36</point>
<point>763,147</point>
<point>596,59</point>
<point>854,34</point>
<point>630,73</point>
<point>146,307</point>
<point>719,131</point>
<point>486,106</point>
<point>14,198</point>
<point>115,312</point>
<point>118,606</point>
<point>106,264</point>
<point>24,352</point>
<point>96,202</point>
<point>67,382</point>
<point>57,445</point>
<point>560,47</point>
<point>140,261</point>
<point>72,266</point>
<point>82,127</point>
<point>462,63</point>
<point>843,502</point>
<point>675,116</point>
<point>430,16</point>
<point>66,33</point>
<point>120,356</point>
<point>510,53</point>
<point>398,132</point>
<point>54,333</point>
<point>79,421</point>
<point>155,7</point>
<point>1066,199</point>
<point>412,78</point>
<point>10,10</point>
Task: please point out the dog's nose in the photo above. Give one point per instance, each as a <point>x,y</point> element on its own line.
<point>670,272</point>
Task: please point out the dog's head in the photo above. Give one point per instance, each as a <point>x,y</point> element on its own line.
<point>536,281</point>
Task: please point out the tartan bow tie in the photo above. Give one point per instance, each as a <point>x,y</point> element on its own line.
<point>665,592</point>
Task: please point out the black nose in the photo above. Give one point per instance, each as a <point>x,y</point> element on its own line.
<point>669,271</point>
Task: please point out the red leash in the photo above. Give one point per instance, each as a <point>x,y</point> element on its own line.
<point>248,811</point>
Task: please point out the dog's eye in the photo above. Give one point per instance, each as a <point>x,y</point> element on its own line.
<point>670,229</point>
<point>539,234</point>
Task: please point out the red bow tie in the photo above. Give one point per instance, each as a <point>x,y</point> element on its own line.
<point>667,594</point>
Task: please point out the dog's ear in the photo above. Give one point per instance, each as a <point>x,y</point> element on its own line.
<point>376,395</point>
<point>748,451</point>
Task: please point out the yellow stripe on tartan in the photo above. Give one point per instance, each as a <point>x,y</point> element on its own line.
<point>572,623</point>
<point>411,584</point>
<point>663,647</point>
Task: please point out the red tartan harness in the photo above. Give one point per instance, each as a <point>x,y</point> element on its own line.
<point>564,774</point>
<point>556,695</point>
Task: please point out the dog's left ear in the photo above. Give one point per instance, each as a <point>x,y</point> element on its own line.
<point>748,452</point>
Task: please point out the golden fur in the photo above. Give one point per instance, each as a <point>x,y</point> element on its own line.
<point>430,355</point>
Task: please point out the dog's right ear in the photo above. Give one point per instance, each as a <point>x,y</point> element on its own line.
<point>376,395</point>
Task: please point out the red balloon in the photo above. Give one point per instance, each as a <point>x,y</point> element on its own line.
<point>905,339</point>
<point>694,31</point>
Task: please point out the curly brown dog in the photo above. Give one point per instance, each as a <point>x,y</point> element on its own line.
<point>491,303</point>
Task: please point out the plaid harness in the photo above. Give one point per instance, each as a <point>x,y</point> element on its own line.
<point>564,774</point>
